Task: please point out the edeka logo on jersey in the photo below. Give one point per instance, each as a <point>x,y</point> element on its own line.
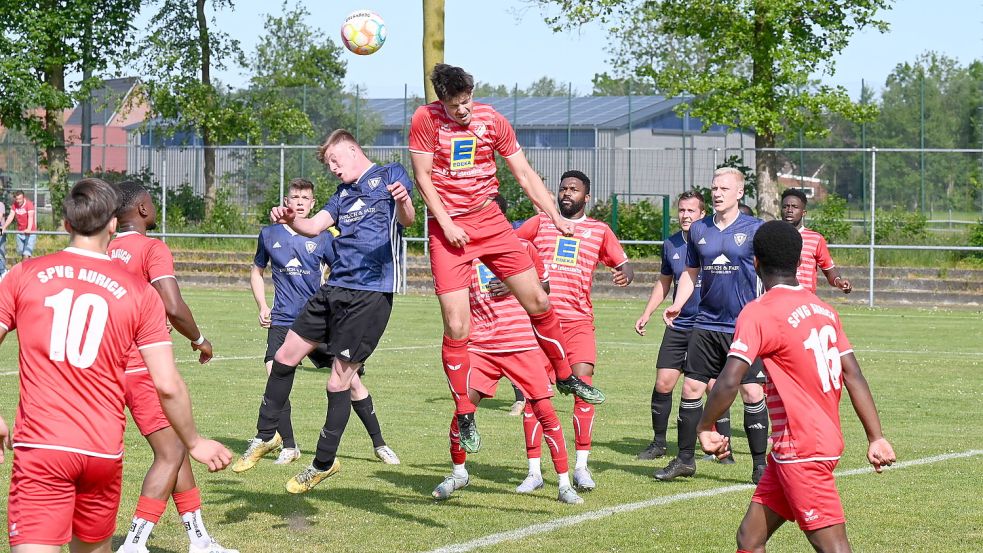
<point>567,250</point>
<point>485,275</point>
<point>462,152</point>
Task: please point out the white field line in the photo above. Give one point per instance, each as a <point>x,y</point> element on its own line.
<point>564,522</point>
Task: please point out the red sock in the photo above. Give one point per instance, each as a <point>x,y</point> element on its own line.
<point>743,551</point>
<point>187,501</point>
<point>531,428</point>
<point>457,367</point>
<point>583,419</point>
<point>458,455</point>
<point>150,509</point>
<point>546,327</point>
<point>552,432</point>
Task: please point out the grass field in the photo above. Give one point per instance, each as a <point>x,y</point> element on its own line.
<point>924,367</point>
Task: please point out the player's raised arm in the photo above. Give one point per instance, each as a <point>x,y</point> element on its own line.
<point>533,186</point>
<point>659,292</point>
<point>879,452</point>
<point>311,226</point>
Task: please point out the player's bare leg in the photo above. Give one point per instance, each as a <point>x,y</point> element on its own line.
<point>690,411</point>
<point>363,407</point>
<point>665,383</point>
<point>79,546</point>
<point>756,529</point>
<point>831,539</point>
<point>455,308</point>
<point>37,548</point>
<point>756,427</point>
<point>583,428</point>
<point>526,288</point>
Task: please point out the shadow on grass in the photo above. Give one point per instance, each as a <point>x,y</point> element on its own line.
<point>624,446</point>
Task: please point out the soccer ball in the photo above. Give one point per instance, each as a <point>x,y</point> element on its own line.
<point>363,32</point>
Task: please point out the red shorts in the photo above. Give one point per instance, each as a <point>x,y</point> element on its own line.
<point>492,240</point>
<point>56,494</point>
<point>144,403</point>
<point>804,492</point>
<point>526,369</point>
<point>581,344</point>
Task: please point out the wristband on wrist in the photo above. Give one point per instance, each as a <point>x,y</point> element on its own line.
<point>200,340</point>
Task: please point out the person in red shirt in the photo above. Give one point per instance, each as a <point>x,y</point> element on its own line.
<point>170,474</point>
<point>77,314</point>
<point>453,143</point>
<point>808,360</point>
<point>815,253</point>
<point>571,261</point>
<point>27,225</point>
<point>502,345</point>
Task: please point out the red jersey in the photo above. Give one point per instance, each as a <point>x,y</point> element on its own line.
<point>21,213</point>
<point>500,324</point>
<point>463,157</point>
<point>814,253</point>
<point>800,340</point>
<point>571,261</point>
<point>150,260</point>
<point>77,313</point>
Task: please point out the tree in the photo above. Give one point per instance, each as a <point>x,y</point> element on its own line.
<point>40,44</point>
<point>755,62</point>
<point>608,85</point>
<point>433,42</point>
<point>548,86</point>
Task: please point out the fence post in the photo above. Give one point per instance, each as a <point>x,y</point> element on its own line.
<point>163,198</point>
<point>403,256</point>
<point>614,213</point>
<point>665,216</point>
<point>873,223</point>
<point>281,173</point>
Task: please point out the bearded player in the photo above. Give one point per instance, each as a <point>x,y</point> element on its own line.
<point>453,143</point>
<point>571,261</point>
<point>808,361</point>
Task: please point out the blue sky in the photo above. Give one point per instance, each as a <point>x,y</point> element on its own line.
<point>507,42</point>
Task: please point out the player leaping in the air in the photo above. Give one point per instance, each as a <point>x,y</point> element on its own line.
<point>572,260</point>
<point>502,345</point>
<point>453,142</point>
<point>808,360</point>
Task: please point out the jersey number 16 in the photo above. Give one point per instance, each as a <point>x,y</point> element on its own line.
<point>822,344</point>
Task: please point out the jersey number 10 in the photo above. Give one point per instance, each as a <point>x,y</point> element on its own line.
<point>69,335</point>
<point>822,345</point>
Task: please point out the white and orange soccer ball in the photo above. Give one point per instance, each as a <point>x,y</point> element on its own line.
<point>363,32</point>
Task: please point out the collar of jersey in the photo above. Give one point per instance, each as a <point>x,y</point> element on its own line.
<point>713,218</point>
<point>86,253</point>
<point>126,233</point>
<point>580,219</point>
<point>359,179</point>
<point>787,287</point>
<point>290,230</point>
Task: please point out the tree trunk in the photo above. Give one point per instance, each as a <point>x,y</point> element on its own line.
<point>206,80</point>
<point>433,42</point>
<point>56,158</point>
<point>765,165</point>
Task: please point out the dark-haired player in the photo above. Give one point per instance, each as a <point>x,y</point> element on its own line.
<point>808,360</point>
<point>815,252</point>
<point>571,261</point>
<point>719,254</point>
<point>675,339</point>
<point>170,474</point>
<point>453,143</point>
<point>350,312</point>
<point>77,314</point>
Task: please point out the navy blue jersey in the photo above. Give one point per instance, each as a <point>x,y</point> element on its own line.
<point>297,262</point>
<point>368,247</point>
<point>674,264</point>
<point>725,258</point>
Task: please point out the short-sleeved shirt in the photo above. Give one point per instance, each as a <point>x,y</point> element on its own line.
<point>571,261</point>
<point>148,258</point>
<point>815,253</point>
<point>77,313</point>
<point>674,264</point>
<point>800,340</point>
<point>725,257</point>
<point>500,324</point>
<point>463,156</point>
<point>297,262</point>
<point>367,248</point>
<point>21,214</point>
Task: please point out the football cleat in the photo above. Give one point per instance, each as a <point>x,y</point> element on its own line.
<point>675,469</point>
<point>759,472</point>
<point>569,496</point>
<point>386,454</point>
<point>583,479</point>
<point>653,451</point>
<point>256,450</point>
<point>450,485</point>
<point>532,483</point>
<point>310,477</point>
<point>470,439</point>
<point>287,455</point>
<point>581,389</point>
<point>212,547</point>
<point>517,408</point>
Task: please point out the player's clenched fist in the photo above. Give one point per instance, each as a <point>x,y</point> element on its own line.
<point>212,454</point>
<point>881,454</point>
<point>398,192</point>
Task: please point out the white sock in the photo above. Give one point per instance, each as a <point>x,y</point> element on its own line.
<point>136,538</point>
<point>459,471</point>
<point>564,478</point>
<point>582,455</point>
<point>535,466</point>
<point>195,526</point>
